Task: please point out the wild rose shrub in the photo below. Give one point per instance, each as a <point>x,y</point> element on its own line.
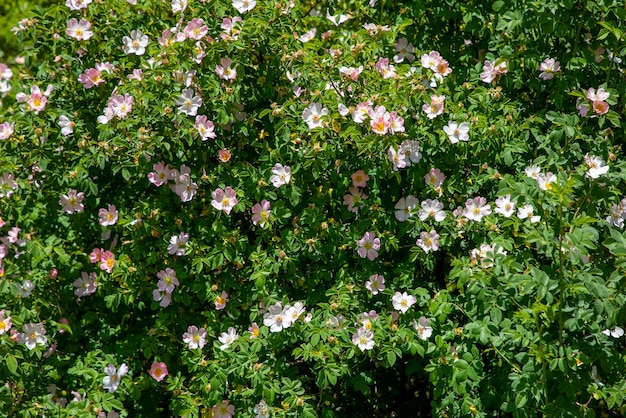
<point>259,208</point>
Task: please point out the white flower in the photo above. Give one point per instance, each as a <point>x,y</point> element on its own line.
<point>244,6</point>
<point>404,207</point>
<point>505,206</point>
<point>33,335</point>
<point>424,330</point>
<point>178,5</point>
<point>276,318</point>
<point>403,301</point>
<point>25,289</point>
<point>457,132</point>
<point>67,126</point>
<point>262,410</point>
<point>136,43</point>
<point>312,115</point>
<point>188,103</point>
<point>280,175</point>
<point>596,166</point>
<point>616,332</point>
<point>113,377</point>
<point>363,339</point>
<point>544,181</point>
<point>432,208</point>
<point>526,212</point>
<point>227,338</point>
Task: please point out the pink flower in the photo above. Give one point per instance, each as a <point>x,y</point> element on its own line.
<point>313,114</point>
<point>196,29</point>
<point>430,60</point>
<point>96,255</point>
<point>403,301</point>
<point>231,28</point>
<point>359,179</point>
<point>434,177</point>
<point>167,280</point>
<point>224,155</point>
<point>375,284</point>
<point>254,330</point>
<point>108,216</point>
<point>178,244</point>
<point>224,200</point>
<point>161,175</point>
<point>224,409</point>
<point>380,120</point>
<point>308,36</point>
<point>72,202</point>
<point>205,127</point>
<point>598,96</point>
<point>77,4</point>
<point>353,199</point>
<point>79,30</point>
<point>492,71</point>
<point>361,112</point>
<point>107,261</point>
<point>280,175</point>
<point>548,67</point>
<point>435,108</point>
<point>476,208</point>
<point>90,78</point>
<point>261,213</point>
<point>158,371</point>
<point>5,322</point>
<point>396,123</point>
<point>164,298</point>
<point>351,72</point>
<point>224,71</point>
<point>6,130</point>
<point>600,108</point>
<point>221,300</point>
<point>385,69</point>
<point>7,185</point>
<point>194,337</point>
<point>368,246</point>
<point>428,241</point>
<point>37,99</point>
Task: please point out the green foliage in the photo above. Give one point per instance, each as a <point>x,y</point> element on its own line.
<point>505,312</point>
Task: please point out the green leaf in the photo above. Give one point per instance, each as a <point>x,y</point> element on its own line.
<point>391,358</point>
<point>12,364</point>
<point>497,5</point>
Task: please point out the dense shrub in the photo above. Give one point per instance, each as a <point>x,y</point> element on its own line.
<point>266,208</point>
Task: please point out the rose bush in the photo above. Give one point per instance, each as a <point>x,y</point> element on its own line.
<point>268,208</point>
